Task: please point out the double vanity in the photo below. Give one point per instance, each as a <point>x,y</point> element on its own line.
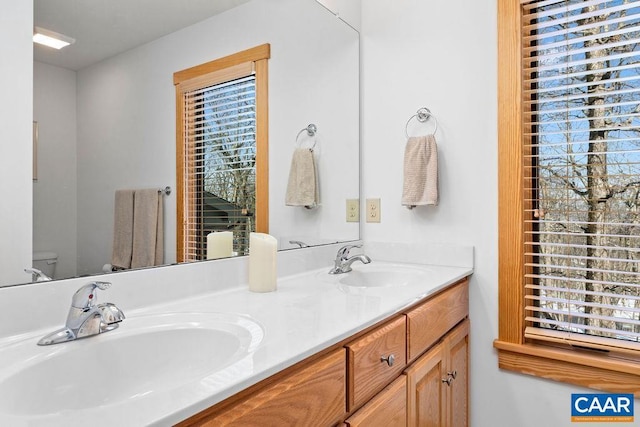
<point>359,348</point>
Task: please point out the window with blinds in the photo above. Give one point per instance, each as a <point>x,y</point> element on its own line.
<point>221,110</point>
<point>221,135</point>
<point>581,148</point>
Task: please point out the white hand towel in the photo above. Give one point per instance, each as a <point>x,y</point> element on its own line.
<point>148,230</point>
<point>302,188</point>
<point>122,229</point>
<point>420,186</point>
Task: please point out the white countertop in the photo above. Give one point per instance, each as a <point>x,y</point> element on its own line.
<point>308,313</point>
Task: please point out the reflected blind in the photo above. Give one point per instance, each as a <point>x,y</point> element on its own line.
<point>582,172</point>
<point>220,164</point>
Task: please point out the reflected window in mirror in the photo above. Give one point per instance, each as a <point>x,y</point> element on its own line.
<point>222,154</point>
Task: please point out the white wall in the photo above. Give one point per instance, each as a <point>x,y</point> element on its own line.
<point>54,193</point>
<point>16,116</point>
<point>347,10</point>
<point>436,53</point>
<point>126,115</point>
<point>442,55</point>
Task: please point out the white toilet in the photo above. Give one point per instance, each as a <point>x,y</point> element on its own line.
<point>45,262</point>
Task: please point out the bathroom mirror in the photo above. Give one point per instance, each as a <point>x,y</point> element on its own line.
<point>111,125</point>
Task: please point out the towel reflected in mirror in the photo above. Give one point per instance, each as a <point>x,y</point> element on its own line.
<point>302,188</point>
<point>138,235</point>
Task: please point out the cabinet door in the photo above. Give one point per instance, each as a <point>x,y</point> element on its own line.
<point>437,383</point>
<point>387,409</point>
<point>426,395</point>
<point>458,366</point>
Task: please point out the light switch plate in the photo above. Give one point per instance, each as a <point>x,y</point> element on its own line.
<point>373,210</point>
<point>353,210</point>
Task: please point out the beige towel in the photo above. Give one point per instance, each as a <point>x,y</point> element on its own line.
<point>302,188</point>
<point>148,229</point>
<point>122,229</point>
<point>420,185</point>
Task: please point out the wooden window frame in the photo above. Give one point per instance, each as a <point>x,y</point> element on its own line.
<point>587,368</point>
<point>257,56</point>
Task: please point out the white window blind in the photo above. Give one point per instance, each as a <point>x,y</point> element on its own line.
<point>582,172</point>
<point>220,164</point>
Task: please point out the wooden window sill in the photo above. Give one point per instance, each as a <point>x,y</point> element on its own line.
<point>602,372</point>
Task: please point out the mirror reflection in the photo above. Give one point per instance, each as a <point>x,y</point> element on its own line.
<point>222,147</point>
<point>111,125</point>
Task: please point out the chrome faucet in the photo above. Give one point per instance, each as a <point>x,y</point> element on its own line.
<point>37,275</point>
<point>343,263</point>
<point>86,318</point>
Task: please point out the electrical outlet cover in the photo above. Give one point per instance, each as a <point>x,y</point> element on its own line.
<point>353,210</point>
<point>373,210</point>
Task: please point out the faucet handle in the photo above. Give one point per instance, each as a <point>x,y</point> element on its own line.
<point>300,243</point>
<point>36,274</point>
<point>111,313</point>
<point>85,297</point>
<point>343,252</point>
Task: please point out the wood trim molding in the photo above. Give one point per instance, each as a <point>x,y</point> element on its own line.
<point>603,371</point>
<point>180,213</point>
<point>570,366</point>
<point>262,146</point>
<point>216,77</point>
<point>249,55</point>
<point>510,174</point>
<point>584,358</point>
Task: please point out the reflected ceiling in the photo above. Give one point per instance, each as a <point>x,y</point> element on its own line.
<point>109,27</point>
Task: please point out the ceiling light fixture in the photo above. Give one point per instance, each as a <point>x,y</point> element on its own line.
<point>51,38</point>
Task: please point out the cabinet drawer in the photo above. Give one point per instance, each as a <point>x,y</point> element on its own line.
<point>431,320</point>
<point>387,409</point>
<point>368,372</point>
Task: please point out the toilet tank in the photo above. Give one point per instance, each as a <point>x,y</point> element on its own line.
<point>45,262</point>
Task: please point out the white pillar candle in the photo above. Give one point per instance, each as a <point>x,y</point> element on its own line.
<point>263,250</point>
<point>219,244</point>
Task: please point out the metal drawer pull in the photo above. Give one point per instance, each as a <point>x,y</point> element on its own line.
<point>389,359</point>
<point>447,380</point>
<point>453,374</point>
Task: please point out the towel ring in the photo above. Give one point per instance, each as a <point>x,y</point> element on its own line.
<point>311,130</point>
<point>422,115</point>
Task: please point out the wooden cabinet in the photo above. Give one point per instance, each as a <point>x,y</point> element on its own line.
<point>437,383</point>
<point>425,393</point>
<point>312,395</point>
<point>374,360</point>
<point>409,370</point>
<point>457,344</point>
<point>387,409</point>
<point>428,322</point>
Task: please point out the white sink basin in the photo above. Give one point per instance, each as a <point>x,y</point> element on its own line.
<point>382,275</point>
<point>144,356</point>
